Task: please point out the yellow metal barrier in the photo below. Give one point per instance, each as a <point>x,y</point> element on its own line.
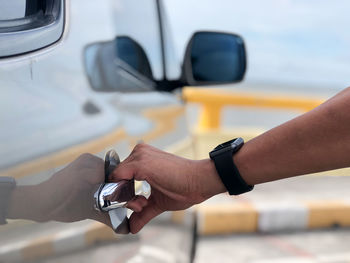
<point>213,100</point>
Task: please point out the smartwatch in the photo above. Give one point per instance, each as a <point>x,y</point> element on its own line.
<point>222,155</point>
<point>7,184</point>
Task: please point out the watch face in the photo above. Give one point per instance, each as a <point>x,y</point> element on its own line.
<point>225,144</point>
<point>234,145</point>
<point>238,142</point>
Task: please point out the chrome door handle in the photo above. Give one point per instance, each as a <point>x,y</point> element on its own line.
<point>112,198</point>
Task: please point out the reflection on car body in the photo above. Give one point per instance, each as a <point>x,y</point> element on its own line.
<point>51,112</point>
<point>119,65</point>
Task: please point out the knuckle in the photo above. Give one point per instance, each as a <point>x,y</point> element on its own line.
<point>140,147</point>
<point>140,151</point>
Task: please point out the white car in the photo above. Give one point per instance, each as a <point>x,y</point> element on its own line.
<point>86,76</point>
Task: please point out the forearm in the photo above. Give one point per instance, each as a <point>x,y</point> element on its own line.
<point>316,141</point>
<point>26,203</point>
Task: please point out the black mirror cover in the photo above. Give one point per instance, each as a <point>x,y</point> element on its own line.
<point>214,58</point>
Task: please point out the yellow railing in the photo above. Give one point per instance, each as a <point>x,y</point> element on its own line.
<point>213,100</point>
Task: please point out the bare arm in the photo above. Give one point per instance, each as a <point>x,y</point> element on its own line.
<point>316,141</point>
<point>313,142</point>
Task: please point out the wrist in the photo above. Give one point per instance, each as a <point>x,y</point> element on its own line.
<point>223,158</point>
<point>209,180</point>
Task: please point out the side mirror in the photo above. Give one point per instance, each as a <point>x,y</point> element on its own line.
<point>131,53</point>
<point>30,25</point>
<point>214,58</point>
<point>118,65</point>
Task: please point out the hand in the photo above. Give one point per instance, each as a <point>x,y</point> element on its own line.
<point>66,197</point>
<point>177,183</point>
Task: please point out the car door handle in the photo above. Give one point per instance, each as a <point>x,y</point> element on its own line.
<point>112,198</point>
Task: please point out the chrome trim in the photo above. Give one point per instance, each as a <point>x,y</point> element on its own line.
<point>119,220</point>
<point>111,196</point>
<point>115,195</point>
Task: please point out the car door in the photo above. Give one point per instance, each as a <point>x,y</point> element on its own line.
<point>50,110</point>
<point>87,76</point>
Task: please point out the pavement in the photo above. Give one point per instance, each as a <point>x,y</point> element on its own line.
<point>26,241</point>
<point>308,202</point>
<point>321,246</point>
<point>160,241</point>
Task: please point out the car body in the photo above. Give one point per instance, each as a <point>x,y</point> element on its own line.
<point>88,76</point>
<point>49,100</point>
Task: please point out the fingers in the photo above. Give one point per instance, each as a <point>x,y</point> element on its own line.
<point>136,161</point>
<point>124,171</point>
<point>137,204</point>
<point>139,219</point>
<point>144,210</point>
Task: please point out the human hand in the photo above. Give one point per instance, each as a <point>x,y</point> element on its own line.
<point>177,183</point>
<point>66,197</point>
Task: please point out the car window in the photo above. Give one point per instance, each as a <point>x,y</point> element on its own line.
<point>12,9</point>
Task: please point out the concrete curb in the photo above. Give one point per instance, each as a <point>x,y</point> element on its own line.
<point>212,219</point>
<point>64,241</point>
<point>246,217</point>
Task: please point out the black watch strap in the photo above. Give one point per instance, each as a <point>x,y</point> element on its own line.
<point>226,168</point>
<point>7,184</point>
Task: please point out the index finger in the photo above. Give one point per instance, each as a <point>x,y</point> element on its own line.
<point>124,171</point>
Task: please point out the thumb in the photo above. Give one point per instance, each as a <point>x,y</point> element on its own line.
<point>139,219</point>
